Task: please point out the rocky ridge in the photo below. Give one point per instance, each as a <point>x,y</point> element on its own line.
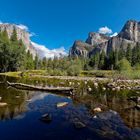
<point>129,35</point>
<point>21,34</point>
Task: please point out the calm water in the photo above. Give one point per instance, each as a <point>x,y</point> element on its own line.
<point>20,119</point>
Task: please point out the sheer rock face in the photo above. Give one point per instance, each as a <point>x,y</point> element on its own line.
<point>80,49</point>
<point>131,31</point>
<point>129,35</point>
<point>96,38</point>
<point>21,34</point>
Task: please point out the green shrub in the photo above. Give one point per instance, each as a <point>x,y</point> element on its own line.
<point>124,65</point>
<point>73,70</point>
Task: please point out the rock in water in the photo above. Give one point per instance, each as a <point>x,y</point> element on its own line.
<point>79,125</point>
<point>137,107</point>
<point>47,118</point>
<point>97,109</point>
<point>3,104</point>
<point>62,104</point>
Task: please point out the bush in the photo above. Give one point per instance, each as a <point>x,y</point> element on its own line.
<point>137,66</point>
<point>73,70</point>
<point>124,65</point>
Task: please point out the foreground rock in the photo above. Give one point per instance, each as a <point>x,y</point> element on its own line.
<point>3,104</point>
<point>79,125</point>
<point>47,118</point>
<point>62,104</point>
<point>97,109</point>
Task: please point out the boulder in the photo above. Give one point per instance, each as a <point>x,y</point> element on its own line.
<point>3,104</point>
<point>62,104</point>
<point>97,109</point>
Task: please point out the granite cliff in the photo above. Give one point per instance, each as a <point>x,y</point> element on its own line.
<point>129,35</point>
<point>21,34</point>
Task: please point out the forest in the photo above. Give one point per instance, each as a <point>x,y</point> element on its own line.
<point>15,57</point>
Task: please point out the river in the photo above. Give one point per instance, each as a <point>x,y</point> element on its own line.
<point>20,119</point>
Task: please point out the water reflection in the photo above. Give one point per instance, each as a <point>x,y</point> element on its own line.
<point>118,119</point>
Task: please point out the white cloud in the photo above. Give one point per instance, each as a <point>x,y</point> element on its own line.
<point>45,52</point>
<point>105,30</point>
<point>1,22</point>
<point>114,34</point>
<point>32,34</point>
<point>23,27</point>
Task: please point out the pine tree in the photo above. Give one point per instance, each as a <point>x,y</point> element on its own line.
<point>44,63</point>
<point>36,62</point>
<point>102,60</point>
<point>14,36</point>
<point>111,60</point>
<point>134,56</point>
<point>96,60</point>
<point>4,37</point>
<point>129,54</point>
<point>116,59</point>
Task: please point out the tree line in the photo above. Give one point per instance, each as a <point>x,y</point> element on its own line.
<point>14,57</point>
<point>112,60</point>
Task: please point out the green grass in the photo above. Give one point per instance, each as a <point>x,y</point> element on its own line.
<point>99,73</point>
<point>134,74</point>
<point>11,74</point>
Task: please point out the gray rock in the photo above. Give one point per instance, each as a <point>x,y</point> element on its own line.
<point>21,34</point>
<point>129,35</point>
<point>47,118</point>
<point>79,125</point>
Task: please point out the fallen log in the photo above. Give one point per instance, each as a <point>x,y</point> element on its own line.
<point>22,86</point>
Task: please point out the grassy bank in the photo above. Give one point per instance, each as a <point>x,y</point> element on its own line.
<point>133,74</point>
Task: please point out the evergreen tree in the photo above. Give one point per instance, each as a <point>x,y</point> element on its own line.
<point>36,62</point>
<point>44,63</point>
<point>129,53</point>
<point>14,36</point>
<point>102,60</point>
<point>134,56</point>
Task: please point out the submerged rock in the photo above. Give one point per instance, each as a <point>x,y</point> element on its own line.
<point>104,88</point>
<point>96,84</point>
<point>137,107</point>
<point>135,99</point>
<point>79,125</point>
<point>108,115</point>
<point>47,118</point>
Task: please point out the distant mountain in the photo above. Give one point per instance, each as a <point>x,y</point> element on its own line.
<point>129,35</point>
<point>21,34</point>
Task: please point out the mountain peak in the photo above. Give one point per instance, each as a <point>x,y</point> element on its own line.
<point>131,31</point>
<point>96,38</point>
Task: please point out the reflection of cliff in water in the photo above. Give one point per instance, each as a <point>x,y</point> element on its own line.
<point>16,102</point>
<point>113,101</point>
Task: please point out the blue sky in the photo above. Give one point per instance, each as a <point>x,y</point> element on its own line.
<point>58,23</point>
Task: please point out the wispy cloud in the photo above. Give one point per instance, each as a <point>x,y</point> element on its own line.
<point>45,52</point>
<point>23,27</point>
<point>105,30</point>
<point>114,34</point>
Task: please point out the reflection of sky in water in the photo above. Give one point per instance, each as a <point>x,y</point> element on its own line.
<point>26,123</point>
<point>38,96</point>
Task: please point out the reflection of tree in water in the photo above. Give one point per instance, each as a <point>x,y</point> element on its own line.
<point>115,101</point>
<point>15,100</point>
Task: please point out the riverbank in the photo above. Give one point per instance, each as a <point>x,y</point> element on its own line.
<point>104,83</point>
